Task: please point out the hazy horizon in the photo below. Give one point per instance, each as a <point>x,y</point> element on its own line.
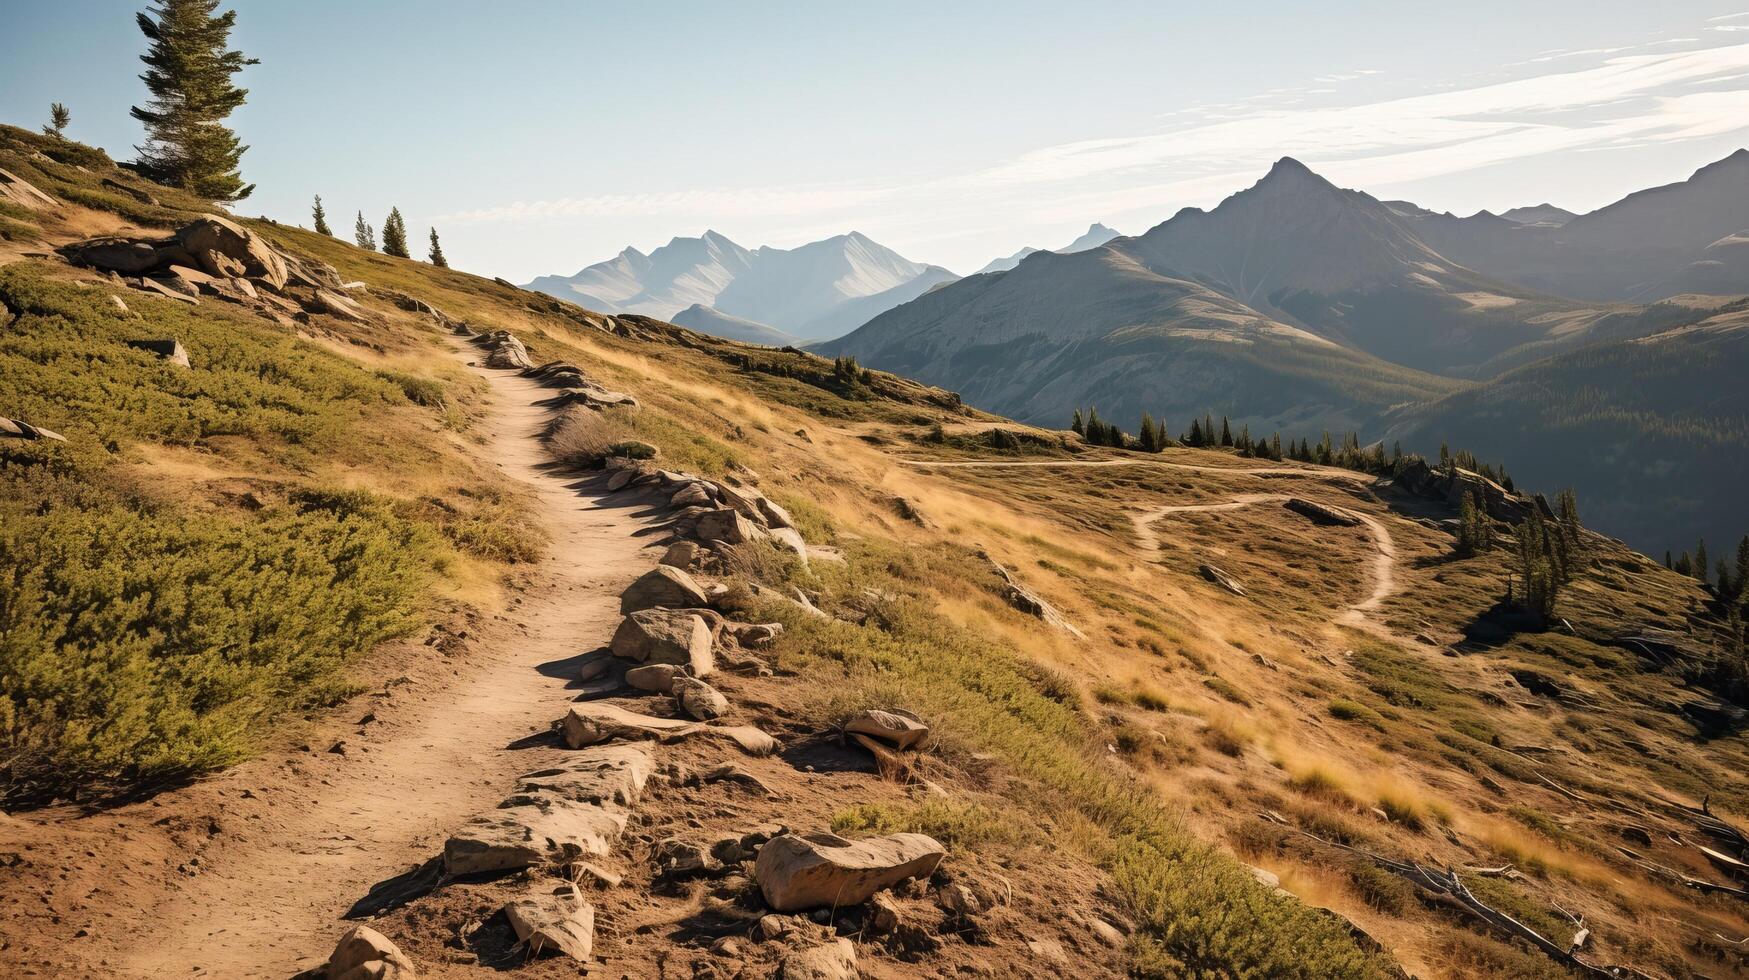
<point>953,137</point>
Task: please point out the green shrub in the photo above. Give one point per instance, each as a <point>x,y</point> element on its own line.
<point>138,644</point>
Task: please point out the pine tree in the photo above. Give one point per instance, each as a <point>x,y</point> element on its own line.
<point>436,254</point>
<point>1667,562</point>
<point>1683,566</point>
<point>188,73</point>
<point>321,218</point>
<point>1195,437</point>
<point>1145,434</point>
<point>1699,568</point>
<point>1078,425</point>
<point>364,234</point>
<point>59,117</point>
<point>1275,447</point>
<point>395,235</point>
<point>1226,433</point>
<point>1742,568</point>
<point>1474,535</point>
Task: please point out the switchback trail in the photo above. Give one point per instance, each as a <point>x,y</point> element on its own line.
<point>267,905</point>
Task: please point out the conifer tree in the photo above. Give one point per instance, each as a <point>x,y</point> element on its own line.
<point>364,234</point>
<point>1226,433</point>
<point>1700,568</point>
<point>1683,566</point>
<point>1473,533</point>
<point>321,218</point>
<point>1145,434</point>
<point>1667,562</point>
<point>1078,425</point>
<point>1742,568</point>
<point>1275,447</point>
<point>395,235</point>
<point>188,73</point>
<point>1195,437</point>
<point>59,117</point>
<point>436,254</point>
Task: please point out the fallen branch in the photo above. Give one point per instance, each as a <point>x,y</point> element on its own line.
<point>1447,885</point>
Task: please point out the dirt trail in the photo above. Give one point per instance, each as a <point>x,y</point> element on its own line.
<point>1384,550</point>
<point>1318,472</point>
<point>268,906</point>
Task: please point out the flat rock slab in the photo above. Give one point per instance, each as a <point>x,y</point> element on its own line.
<point>542,828</point>
<point>602,774</point>
<point>593,724</point>
<point>563,923</point>
<point>797,872</point>
<point>898,729</point>
<point>1321,513</point>
<point>749,739</point>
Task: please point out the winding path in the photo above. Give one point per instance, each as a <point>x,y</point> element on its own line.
<point>263,905</point>
<point>1384,546</point>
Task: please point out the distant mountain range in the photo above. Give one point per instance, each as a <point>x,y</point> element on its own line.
<point>1300,306</point>
<point>1093,237</point>
<point>819,290</point>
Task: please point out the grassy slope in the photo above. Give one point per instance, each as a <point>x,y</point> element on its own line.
<point>210,547</point>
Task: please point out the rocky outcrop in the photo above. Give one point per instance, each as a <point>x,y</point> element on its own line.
<point>223,248</point>
<point>1027,601</point>
<point>797,872</point>
<point>1423,480</point>
<point>22,193</point>
<point>365,954</point>
<point>504,350</point>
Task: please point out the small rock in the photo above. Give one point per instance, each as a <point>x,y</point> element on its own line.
<point>679,858</point>
<point>658,678</point>
<point>365,954</point>
<point>562,922</point>
<point>958,900</point>
<point>798,872</point>
<point>834,961</point>
<point>698,699</point>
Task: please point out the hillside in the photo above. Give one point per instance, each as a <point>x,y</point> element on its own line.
<point>815,291</point>
<point>1651,429</point>
<point>1131,768</point>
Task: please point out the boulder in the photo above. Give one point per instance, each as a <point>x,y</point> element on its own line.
<point>563,922</point>
<point>775,516</point>
<point>897,729</point>
<point>680,554</point>
<point>593,724</point>
<point>618,479</point>
<point>540,828</point>
<point>698,699</point>
<point>599,774</point>
<point>790,538</point>
<point>170,349</point>
<point>658,678</point>
<point>691,495</point>
<point>749,739</point>
<point>666,636</point>
<point>757,636</point>
<point>725,525</point>
<point>834,961</point>
<point>807,871</point>
<point>664,586</point>
<point>213,236</point>
<point>743,501</point>
<point>366,953</point>
<point>677,858</point>
<point>309,272</point>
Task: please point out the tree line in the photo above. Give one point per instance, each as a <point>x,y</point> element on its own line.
<point>364,235</point>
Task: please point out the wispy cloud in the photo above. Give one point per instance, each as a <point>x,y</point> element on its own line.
<point>1624,98</point>
<point>1740,16</point>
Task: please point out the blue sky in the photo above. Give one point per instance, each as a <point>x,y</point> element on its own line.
<point>542,136</point>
